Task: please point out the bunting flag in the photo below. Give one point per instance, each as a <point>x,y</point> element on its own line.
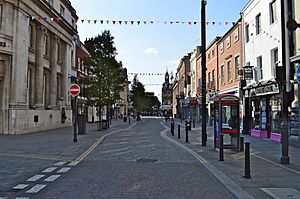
<point>147,74</point>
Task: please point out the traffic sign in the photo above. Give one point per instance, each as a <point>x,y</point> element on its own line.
<point>74,90</point>
<point>298,74</point>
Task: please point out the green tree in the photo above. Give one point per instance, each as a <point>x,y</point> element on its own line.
<point>141,100</point>
<point>106,78</point>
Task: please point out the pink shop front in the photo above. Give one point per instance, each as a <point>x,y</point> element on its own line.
<point>264,105</point>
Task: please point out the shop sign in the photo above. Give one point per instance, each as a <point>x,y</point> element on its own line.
<point>265,90</point>
<point>248,72</point>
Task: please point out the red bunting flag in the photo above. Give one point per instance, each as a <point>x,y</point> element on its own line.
<point>58,19</point>
<point>207,23</point>
<point>114,22</point>
<point>226,23</point>
<point>190,23</point>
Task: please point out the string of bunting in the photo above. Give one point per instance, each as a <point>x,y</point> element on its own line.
<point>115,22</point>
<point>148,74</point>
<point>128,22</point>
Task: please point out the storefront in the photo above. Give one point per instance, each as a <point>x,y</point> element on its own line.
<point>264,105</point>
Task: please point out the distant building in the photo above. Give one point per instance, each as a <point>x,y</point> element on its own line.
<point>166,95</point>
<point>121,106</point>
<point>37,51</point>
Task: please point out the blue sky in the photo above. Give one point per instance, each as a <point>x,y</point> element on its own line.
<point>154,48</point>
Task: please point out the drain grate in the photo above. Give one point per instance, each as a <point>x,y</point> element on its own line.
<point>142,160</point>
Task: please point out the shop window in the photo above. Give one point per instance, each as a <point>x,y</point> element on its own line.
<point>276,113</point>
<point>256,114</point>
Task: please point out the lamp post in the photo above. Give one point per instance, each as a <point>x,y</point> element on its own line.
<point>285,159</point>
<point>203,69</point>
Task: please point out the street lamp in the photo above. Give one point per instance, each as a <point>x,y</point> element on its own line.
<point>285,159</point>
<point>203,69</point>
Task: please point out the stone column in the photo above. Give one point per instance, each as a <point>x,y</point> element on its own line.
<point>39,67</point>
<point>53,75</point>
<point>64,70</point>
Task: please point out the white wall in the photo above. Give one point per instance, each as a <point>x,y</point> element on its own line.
<point>268,39</point>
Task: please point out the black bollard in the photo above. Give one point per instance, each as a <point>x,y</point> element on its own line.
<point>241,143</point>
<point>221,148</point>
<point>172,128</point>
<point>186,134</point>
<point>178,131</point>
<point>247,160</point>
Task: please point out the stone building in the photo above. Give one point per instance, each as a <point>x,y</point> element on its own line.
<point>166,101</point>
<point>37,52</point>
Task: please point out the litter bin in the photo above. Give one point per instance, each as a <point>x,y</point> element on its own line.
<point>81,121</point>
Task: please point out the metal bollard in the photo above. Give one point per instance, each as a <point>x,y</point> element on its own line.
<point>186,134</point>
<point>172,128</point>
<point>247,160</point>
<point>241,143</point>
<point>221,148</point>
<point>178,131</point>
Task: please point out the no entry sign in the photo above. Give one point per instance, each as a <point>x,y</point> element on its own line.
<point>74,90</point>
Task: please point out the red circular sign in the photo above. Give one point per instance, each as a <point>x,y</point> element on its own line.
<point>74,90</point>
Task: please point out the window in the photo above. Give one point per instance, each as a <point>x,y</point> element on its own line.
<point>258,23</point>
<point>212,53</point>
<point>247,33</point>
<point>50,2</point>
<point>1,10</point>
<point>30,87</point>
<point>213,78</point>
<point>222,74</point>
<point>209,84</point>
<point>221,47</point>
<point>58,52</point>
<point>46,46</point>
<point>236,35</point>
<point>273,16</point>
<point>229,70</point>
<point>274,59</point>
<point>237,66</point>
<point>228,42</point>
<point>31,36</point>
<point>208,56</point>
<point>259,68</point>
<point>62,11</point>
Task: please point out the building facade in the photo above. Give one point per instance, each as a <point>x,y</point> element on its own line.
<point>37,52</point>
<point>263,53</point>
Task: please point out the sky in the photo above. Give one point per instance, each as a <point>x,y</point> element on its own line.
<point>154,47</point>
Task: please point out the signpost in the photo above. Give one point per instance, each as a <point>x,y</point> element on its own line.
<point>74,91</point>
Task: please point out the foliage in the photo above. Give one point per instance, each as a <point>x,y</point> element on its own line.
<point>141,100</point>
<point>106,78</point>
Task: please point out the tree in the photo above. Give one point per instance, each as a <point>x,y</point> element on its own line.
<point>142,101</point>
<point>106,78</point>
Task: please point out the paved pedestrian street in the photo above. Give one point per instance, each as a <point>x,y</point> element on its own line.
<point>133,163</point>
<point>141,160</point>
